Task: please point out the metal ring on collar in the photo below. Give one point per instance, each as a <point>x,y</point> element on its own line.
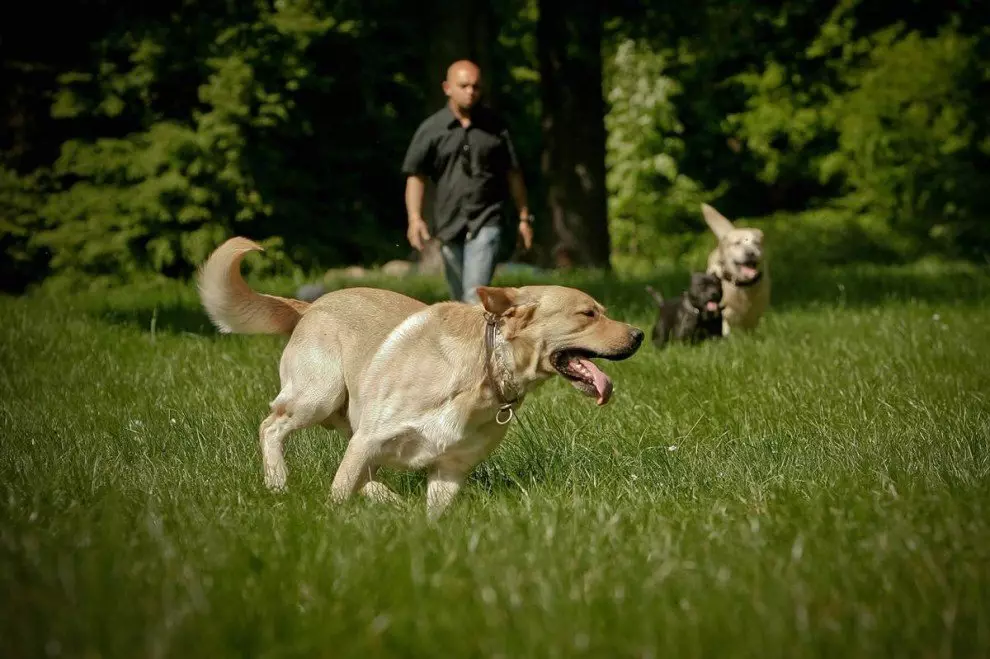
<point>498,415</point>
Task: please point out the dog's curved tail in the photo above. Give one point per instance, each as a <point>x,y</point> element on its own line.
<point>232,305</point>
<point>656,296</point>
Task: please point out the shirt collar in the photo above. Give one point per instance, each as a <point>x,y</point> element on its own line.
<point>477,116</point>
<point>450,120</point>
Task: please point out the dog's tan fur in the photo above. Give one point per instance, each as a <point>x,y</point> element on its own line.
<point>406,383</point>
<point>743,306</point>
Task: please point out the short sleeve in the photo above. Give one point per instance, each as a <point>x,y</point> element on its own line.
<point>418,160</point>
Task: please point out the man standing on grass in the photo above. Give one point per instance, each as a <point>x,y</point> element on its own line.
<point>465,149</point>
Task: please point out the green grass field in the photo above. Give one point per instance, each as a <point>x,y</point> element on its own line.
<point>819,488</point>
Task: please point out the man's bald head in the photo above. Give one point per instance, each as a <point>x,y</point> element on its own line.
<point>465,66</point>
<point>463,85</point>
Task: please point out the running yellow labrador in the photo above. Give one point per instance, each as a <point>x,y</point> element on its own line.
<point>412,386</point>
<point>740,261</point>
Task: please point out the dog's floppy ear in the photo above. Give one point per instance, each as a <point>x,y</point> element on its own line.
<point>718,223</point>
<point>518,318</point>
<point>498,300</point>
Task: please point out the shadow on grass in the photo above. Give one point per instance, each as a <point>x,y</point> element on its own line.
<point>170,319</point>
<point>794,287</point>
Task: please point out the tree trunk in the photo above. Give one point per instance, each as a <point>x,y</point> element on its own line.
<point>455,31</point>
<point>573,163</point>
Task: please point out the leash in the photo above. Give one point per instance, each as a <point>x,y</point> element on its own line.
<point>506,406</point>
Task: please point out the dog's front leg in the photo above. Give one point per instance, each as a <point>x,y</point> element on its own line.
<point>379,492</point>
<point>442,485</point>
<point>356,469</point>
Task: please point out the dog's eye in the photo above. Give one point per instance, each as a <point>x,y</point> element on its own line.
<point>590,313</point>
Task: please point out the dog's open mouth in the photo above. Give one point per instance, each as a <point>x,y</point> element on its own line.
<point>576,366</point>
<point>748,271</point>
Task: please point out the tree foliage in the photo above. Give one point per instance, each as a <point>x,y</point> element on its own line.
<point>649,194</point>
<point>264,120</point>
<point>860,121</point>
<point>892,121</point>
<point>158,130</point>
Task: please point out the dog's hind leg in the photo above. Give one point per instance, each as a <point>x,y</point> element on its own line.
<point>271,436</point>
<point>288,415</point>
<point>313,391</point>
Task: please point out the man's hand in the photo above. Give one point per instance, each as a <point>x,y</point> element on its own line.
<point>417,233</point>
<point>526,231</point>
<point>518,189</point>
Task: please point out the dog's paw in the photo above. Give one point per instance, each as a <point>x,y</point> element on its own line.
<point>380,493</point>
<point>275,480</point>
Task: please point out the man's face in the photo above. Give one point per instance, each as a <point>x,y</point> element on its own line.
<point>463,87</point>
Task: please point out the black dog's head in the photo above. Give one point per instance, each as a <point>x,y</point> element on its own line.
<point>705,294</point>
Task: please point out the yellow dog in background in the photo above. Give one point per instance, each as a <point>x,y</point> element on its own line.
<point>741,262</point>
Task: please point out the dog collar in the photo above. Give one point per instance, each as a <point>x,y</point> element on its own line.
<point>505,410</point>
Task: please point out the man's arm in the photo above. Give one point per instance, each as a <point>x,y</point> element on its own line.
<point>416,166</point>
<point>415,189</point>
<point>517,186</point>
<point>417,233</point>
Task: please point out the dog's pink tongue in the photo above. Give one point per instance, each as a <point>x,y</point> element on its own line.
<point>711,306</point>
<point>603,384</point>
<point>747,271</point>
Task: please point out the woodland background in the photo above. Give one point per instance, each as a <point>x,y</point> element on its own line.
<point>138,136</point>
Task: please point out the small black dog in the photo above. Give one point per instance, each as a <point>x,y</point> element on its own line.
<point>693,316</point>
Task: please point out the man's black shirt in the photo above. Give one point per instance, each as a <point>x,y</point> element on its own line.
<point>468,165</point>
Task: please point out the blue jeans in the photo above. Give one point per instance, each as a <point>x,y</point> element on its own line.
<point>472,263</point>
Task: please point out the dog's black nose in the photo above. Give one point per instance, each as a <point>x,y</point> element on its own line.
<point>637,337</point>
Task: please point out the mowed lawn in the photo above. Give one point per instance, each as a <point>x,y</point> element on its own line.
<point>819,488</point>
